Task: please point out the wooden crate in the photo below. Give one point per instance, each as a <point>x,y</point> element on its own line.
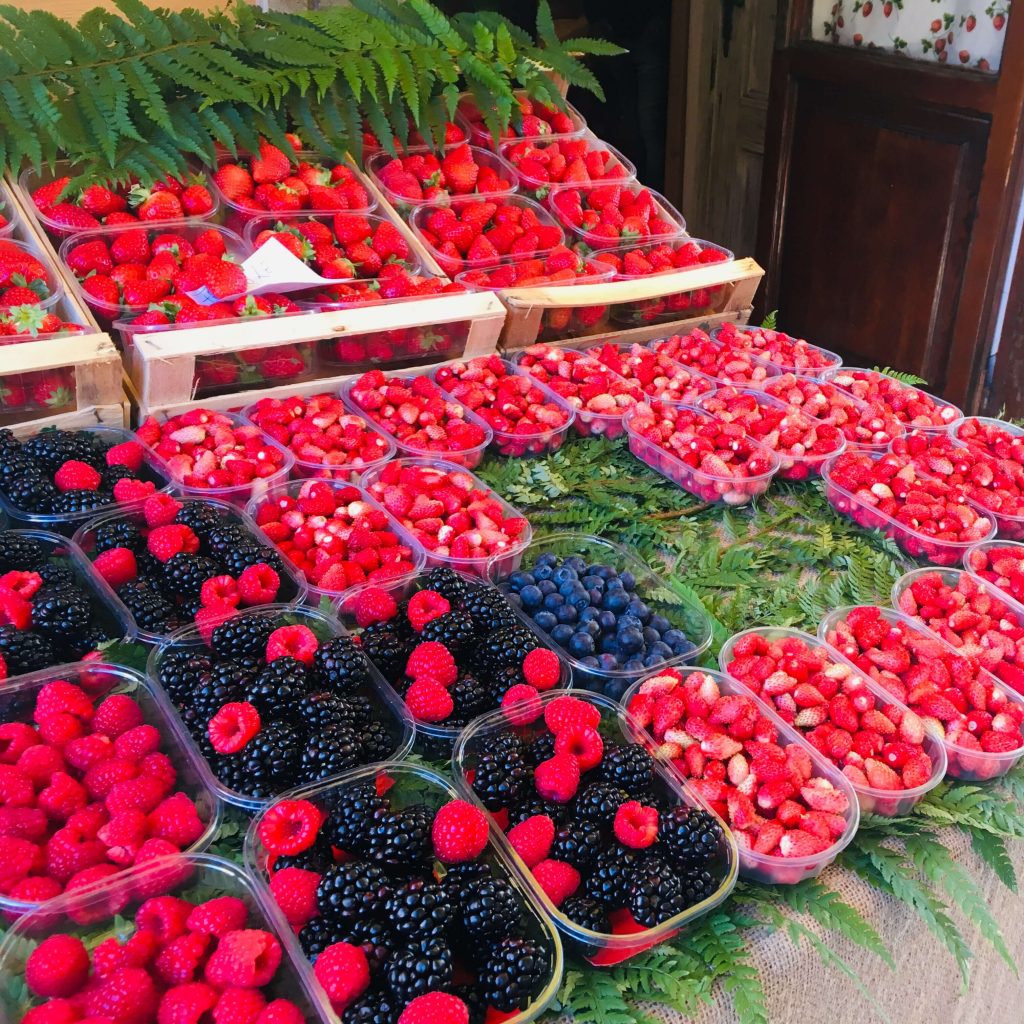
<point>91,416</point>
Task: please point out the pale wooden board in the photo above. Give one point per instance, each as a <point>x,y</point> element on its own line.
<point>115,415</point>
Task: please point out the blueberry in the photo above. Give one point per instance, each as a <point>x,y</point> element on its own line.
<point>628,621</point>
<point>615,601</point>
<point>630,639</point>
<point>519,579</point>
<point>683,647</point>
<point>581,645</point>
<point>652,659</point>
<point>545,621</point>
<point>531,596</point>
<point>651,636</point>
<point>634,665</point>
<point>546,587</point>
<point>607,662</point>
<point>589,614</point>
<point>595,594</point>
<point>547,559</point>
<point>566,613</point>
<point>581,602</point>
<point>592,581</point>
<point>615,688</point>
<point>564,575</point>
<point>590,627</point>
<point>575,563</point>
<point>569,587</point>
<point>615,584</point>
<point>590,661</point>
<point>609,644</point>
<point>660,650</point>
<point>673,636</point>
<point>553,602</point>
<point>660,623</point>
<point>561,633</point>
<point>542,572</point>
<point>604,571</point>
<point>514,599</point>
<point>628,580</point>
<point>606,620</point>
<point>639,609</point>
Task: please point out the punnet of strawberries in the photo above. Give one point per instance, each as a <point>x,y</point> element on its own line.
<point>49,390</point>
<point>910,405</point>
<point>613,214</point>
<point>559,267</point>
<point>93,784</point>
<point>878,743</point>
<point>453,135</point>
<point>532,120</point>
<point>997,477</point>
<point>659,377</point>
<point>24,277</point>
<point>247,367</point>
<point>69,210</point>
<point>765,784</point>
<point>727,365</point>
<point>333,535</point>
<point>955,697</point>
<point>662,257</point>
<point>178,309</point>
<point>393,281</point>
<point>524,416</point>
<point>542,163</point>
<point>422,177</point>
<point>793,354</point>
<point>1002,565</point>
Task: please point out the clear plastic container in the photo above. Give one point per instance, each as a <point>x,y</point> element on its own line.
<point>293,588</point>
<point>467,458</point>
<point>55,289</point>
<point>107,908</point>
<point>963,763</point>
<point>675,382</point>
<point>740,374</point>
<point>108,312</point>
<point>665,211</point>
<point>418,221</point>
<point>599,948</point>
<point>791,467</point>
<point>239,494</point>
<point>67,522</point>
<point>1009,526</point>
<point>346,472</point>
<point>727,490</point>
<point>315,595</point>
<point>976,559</point>
<point>761,867</point>
<point>833,358</point>
<point>475,567</point>
<point>888,803</point>
<point>100,680</point>
<point>543,441</point>
<point>920,545</point>
<point>655,591</point>
<point>538,188</point>
<point>407,785</point>
<point>8,212</point>
<point>391,710</point>
<point>468,115</point>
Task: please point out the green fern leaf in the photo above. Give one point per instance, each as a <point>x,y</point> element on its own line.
<point>771,320</point>
<point>594,47</point>
<point>545,25</point>
<point>992,850</point>
<point>902,376</point>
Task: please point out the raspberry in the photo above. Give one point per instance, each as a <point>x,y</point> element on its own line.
<point>219,916</point>
<point>40,762</point>
<point>424,606</point>
<point>298,642</point>
<point>137,742</point>
<point>294,889</point>
<point>220,590</point>
<point>558,880</point>
<point>281,1011</point>
<point>459,832</point>
<point>428,701</point>
<point>343,973</point>
<point>158,766</point>
<point>129,453</point>
<point>258,584</point>
<point>139,951</point>
<point>176,820</point>
<point>116,566</point>
<point>56,1011</point>
<point>636,826</point>
<point>16,789</point>
<point>127,491</point>
<point>289,827</point>
<point>62,697</point>
<point>60,729</point>
<point>67,855</point>
<point>164,542</point>
<point>239,1006</point>
<point>141,794</point>
<point>181,961</point>
<point>15,739</point>
<point>58,966</point>
<point>86,823</point>
<point>557,778</point>
<point>434,661</point>
<point>249,958</point>
<point>233,726</point>
<point>76,476</point>
<point>565,711</point>
<point>36,889</point>
<point>532,839</point>
<point>103,776</point>
<point>435,1008</point>
<point>167,916</point>
<point>521,704</point>
<point>124,835</point>
<point>160,510</point>
<point>583,743</point>
<point>128,996</point>
<point>542,669</point>
<point>24,584</point>
<point>186,1004</point>
<point>208,619</point>
<point>374,605</point>
<point>62,797</point>
<point>116,714</point>
<point>23,823</point>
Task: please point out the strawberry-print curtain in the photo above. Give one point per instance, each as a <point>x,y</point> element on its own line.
<point>959,33</point>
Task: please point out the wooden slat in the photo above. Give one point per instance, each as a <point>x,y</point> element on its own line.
<point>115,415</point>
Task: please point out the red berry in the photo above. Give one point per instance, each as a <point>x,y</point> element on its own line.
<point>220,591</point>
<point>424,606</point>
<point>61,696</point>
<point>374,605</point>
<point>428,701</point>
<point>160,510</point>
<point>558,880</point>
<point>258,584</point>
<point>76,476</point>
<point>281,1011</point>
<point>127,996</point>
<point>218,916</point>
<point>289,827</point>
<point>521,704</point>
<point>248,957</point>
<point>583,742</point>
<point>434,661</point>
<point>636,826</point>
<point>177,820</point>
<point>294,889</point>
<point>190,1003</point>
<point>164,542</point>
<point>298,642</point>
<point>116,715</point>
<point>239,1006</point>
<point>532,839</point>
<point>542,669</point>
<point>181,961</point>
<point>165,916</point>
<point>343,973</point>
<point>558,778</point>
<point>565,711</point>
<point>126,491</point>
<point>233,726</point>
<point>129,453</point>
<point>459,832</point>
<point>435,1008</point>
<point>58,966</point>
<point>116,566</point>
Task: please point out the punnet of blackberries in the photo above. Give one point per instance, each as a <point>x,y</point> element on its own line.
<point>401,904</point>
<point>49,614</point>
<point>173,563</point>
<point>454,650</point>
<point>274,700</point>
<point>610,841</point>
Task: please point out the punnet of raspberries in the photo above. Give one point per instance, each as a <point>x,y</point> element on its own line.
<point>532,120</point>
<point>454,650</point>
<point>424,177</point>
<point>542,163</point>
<point>174,959</point>
<point>401,903</point>
<point>714,460</point>
<point>51,611</point>
<point>418,414</point>
<point>448,512</point>
<point>319,431</point>
<point>779,804</point>
<point>599,395</point>
<point>726,365</point>
<point>608,215</point>
<point>66,210</point>
<point>610,842</point>
<point>878,743</point>
<point>1002,565</point>
<point>175,562</point>
<point>273,699</point>
<point>73,472</point>
<point>909,405</point>
<point>785,351</point>
<point>955,697</point>
<point>658,376</point>
<point>91,786</point>
<point>333,535</point>
<point>208,450</point>
<point>524,416</point>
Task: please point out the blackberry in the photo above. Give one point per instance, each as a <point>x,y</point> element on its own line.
<point>587,913</point>
<point>340,666</point>
<point>71,502</point>
<point>226,536</point>
<point>185,574</point>
<point>21,553</point>
<point>31,491</point>
<point>500,680</point>
<point>57,576</point>
<point>376,938</point>
<point>200,518</point>
<point>422,967</point>
<point>378,742</point>
<point>24,651</point>
<point>689,837</point>
<point>245,634</point>
<point>88,640</point>
<point>400,840</point>
<point>323,709</point>
<point>489,610</point>
<point>322,932</point>
<point>333,751</point>
<point>449,584</point>
<point>474,1002</point>
<point>502,743</point>
<point>118,534</point>
<point>386,650</point>
<point>471,699</point>
<point>50,449</point>
<point>490,910</point>
<point>628,766</point>
<point>541,749</point>
<point>655,893</point>
<point>280,689</point>
<point>359,710</point>
<point>375,1008</point>
<point>500,781</point>
<point>461,880</point>
<point>60,614</point>
<point>250,552</point>
<point>506,647</point>
<point>352,815</point>
<point>611,877</point>
<point>150,609</point>
<point>233,772</point>
<point>224,684</point>
<point>698,884</point>
<point>599,802</point>
<point>180,671</point>
<point>272,757</point>
<point>8,442</point>
<point>317,857</point>
<point>514,973</point>
<point>534,805</point>
<point>349,892</point>
<point>577,843</point>
<point>456,630</point>
<point>418,910</point>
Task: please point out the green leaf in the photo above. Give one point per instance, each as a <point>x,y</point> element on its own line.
<point>903,377</point>
<point>770,320</point>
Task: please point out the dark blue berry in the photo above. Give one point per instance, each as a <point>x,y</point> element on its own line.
<point>592,581</point>
<point>531,596</point>
<point>590,627</point>
<point>595,593</point>
<point>628,580</point>
<point>565,575</point>
<point>566,613</point>
<point>683,647</point>
<point>661,650</point>
<point>639,609</point>
<point>561,633</point>
<point>519,579</point>
<point>615,600</point>
<point>576,563</point>
<point>660,623</point>
<point>553,602</point>
<point>542,572</point>
<point>547,559</point>
<point>610,644</point>
<point>589,614</point>
<point>673,636</point>
<point>604,571</point>
<point>631,639</point>
<point>606,620</point>
<point>607,662</point>
<point>615,688</point>
<point>546,587</point>
<point>581,645</point>
<point>545,621</point>
<point>629,622</point>
<point>590,661</point>
<point>634,664</point>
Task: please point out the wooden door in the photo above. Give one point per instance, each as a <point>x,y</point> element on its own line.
<point>890,194</point>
